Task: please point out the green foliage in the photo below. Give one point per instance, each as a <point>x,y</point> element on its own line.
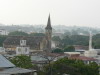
<point>67,33</point>
<point>18,33</point>
<point>72,67</point>
<point>37,34</point>
<point>56,38</point>
<point>66,41</point>
<point>69,49</point>
<point>2,38</point>
<point>22,61</point>
<point>40,73</point>
<point>96,41</point>
<point>73,40</point>
<point>57,50</point>
<point>80,40</point>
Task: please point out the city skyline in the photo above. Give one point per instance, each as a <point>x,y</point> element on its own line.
<point>63,12</point>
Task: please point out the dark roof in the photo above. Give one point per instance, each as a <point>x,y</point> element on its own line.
<point>80,47</point>
<point>48,23</point>
<point>31,41</point>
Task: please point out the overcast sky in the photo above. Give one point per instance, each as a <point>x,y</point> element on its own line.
<point>63,12</point>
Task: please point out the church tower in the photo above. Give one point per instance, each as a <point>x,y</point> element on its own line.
<point>48,32</point>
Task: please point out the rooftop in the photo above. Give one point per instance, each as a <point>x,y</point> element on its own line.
<point>14,71</point>
<point>4,63</point>
<point>83,58</point>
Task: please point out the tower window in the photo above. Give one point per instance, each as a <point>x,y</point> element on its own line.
<point>19,50</point>
<point>25,49</point>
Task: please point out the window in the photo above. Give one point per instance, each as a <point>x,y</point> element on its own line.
<point>25,49</point>
<point>19,50</point>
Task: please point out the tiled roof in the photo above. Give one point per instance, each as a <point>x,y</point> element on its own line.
<point>83,58</point>
<point>30,41</point>
<point>80,47</point>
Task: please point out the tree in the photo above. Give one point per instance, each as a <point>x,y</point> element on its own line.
<point>96,41</point>
<point>74,40</point>
<point>57,50</point>
<point>69,49</point>
<point>56,38</point>
<point>18,33</point>
<point>67,41</point>
<point>2,38</point>
<point>22,61</point>
<point>61,67</point>
<point>74,32</point>
<point>49,57</point>
<point>37,34</point>
<point>72,67</point>
<point>67,33</point>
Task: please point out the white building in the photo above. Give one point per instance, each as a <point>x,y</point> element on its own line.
<point>2,50</point>
<point>3,32</point>
<point>22,49</point>
<point>91,52</point>
<point>53,44</point>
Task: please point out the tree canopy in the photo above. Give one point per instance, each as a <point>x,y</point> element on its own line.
<point>18,33</point>
<point>22,61</point>
<point>96,41</point>
<point>57,50</point>
<point>37,34</point>
<point>2,38</point>
<point>72,67</point>
<point>69,49</point>
<point>56,38</point>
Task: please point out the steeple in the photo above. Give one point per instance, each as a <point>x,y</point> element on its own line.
<point>48,23</point>
<point>90,41</point>
<point>48,33</point>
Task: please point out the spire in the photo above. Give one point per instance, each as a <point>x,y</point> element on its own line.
<point>90,41</point>
<point>48,23</point>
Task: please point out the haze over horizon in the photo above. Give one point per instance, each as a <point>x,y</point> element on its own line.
<point>63,12</point>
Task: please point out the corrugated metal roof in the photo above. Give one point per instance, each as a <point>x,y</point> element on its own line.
<point>15,71</point>
<point>4,63</point>
<point>4,74</point>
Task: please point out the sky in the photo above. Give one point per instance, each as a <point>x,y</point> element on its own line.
<point>63,12</point>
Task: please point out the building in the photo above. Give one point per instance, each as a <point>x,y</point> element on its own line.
<point>3,32</point>
<point>80,47</point>
<point>43,58</point>
<point>73,53</point>
<point>23,48</point>
<point>36,43</point>
<point>86,60</point>
<point>2,50</point>
<point>8,68</point>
